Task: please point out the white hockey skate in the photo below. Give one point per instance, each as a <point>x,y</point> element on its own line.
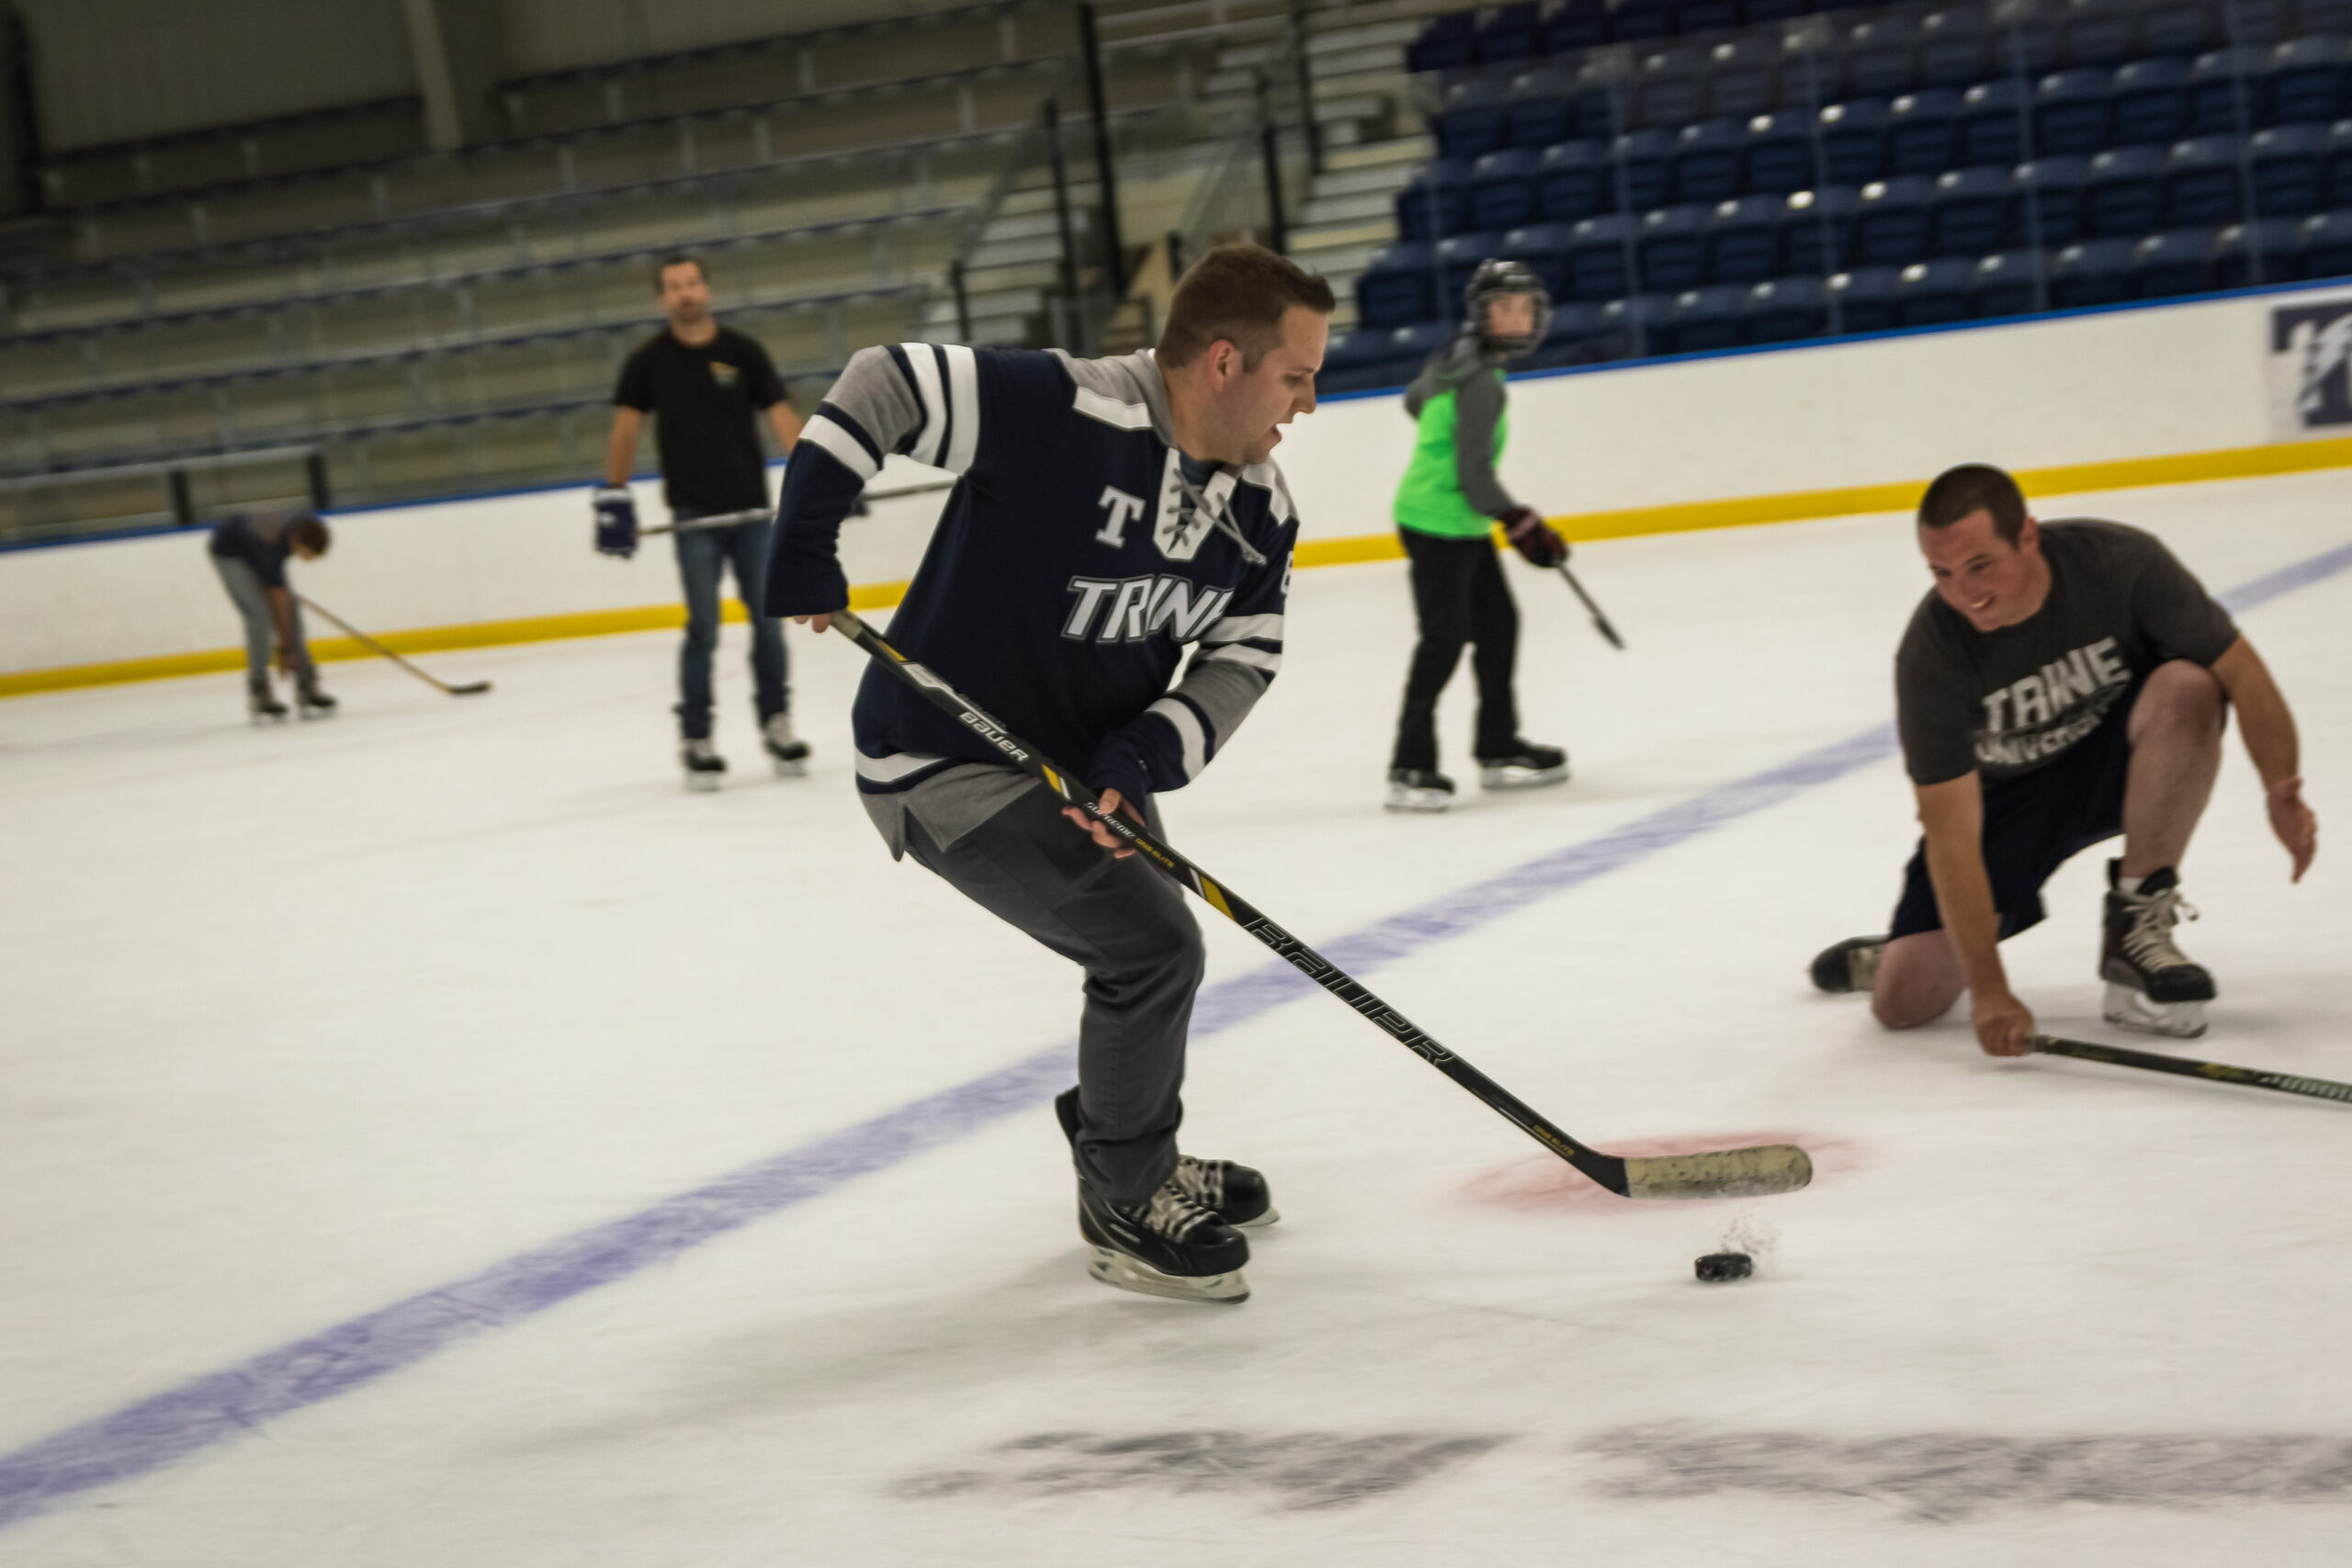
<point>705,767</point>
<point>787,751</point>
<point>1418,789</point>
<point>2151,987</point>
<point>1526,766</point>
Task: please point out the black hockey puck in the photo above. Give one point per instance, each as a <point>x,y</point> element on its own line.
<point>1719,1266</point>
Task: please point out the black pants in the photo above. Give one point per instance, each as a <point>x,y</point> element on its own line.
<point>1460,598</point>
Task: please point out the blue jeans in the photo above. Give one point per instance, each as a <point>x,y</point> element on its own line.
<point>704,555</point>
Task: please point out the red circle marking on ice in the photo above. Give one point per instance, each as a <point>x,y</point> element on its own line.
<point>1542,1182</point>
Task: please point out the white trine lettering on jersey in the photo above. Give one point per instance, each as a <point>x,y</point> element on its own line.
<point>1142,607</point>
<point>2029,717</point>
<point>1123,509</point>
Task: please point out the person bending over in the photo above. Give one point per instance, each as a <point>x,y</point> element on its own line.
<point>250,551</point>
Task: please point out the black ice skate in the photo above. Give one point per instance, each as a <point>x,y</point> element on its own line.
<point>2149,985</point>
<point>1234,1193</point>
<point>310,702</point>
<point>787,751</point>
<point>1524,766</point>
<point>1852,966</point>
<point>262,706</point>
<point>1418,789</point>
<point>1166,1246</point>
<point>705,767</point>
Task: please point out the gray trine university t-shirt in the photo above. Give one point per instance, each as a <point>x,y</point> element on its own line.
<point>2004,703</point>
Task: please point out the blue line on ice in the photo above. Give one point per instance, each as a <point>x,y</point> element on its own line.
<point>146,1437</point>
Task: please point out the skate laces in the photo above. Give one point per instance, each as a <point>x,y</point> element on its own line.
<point>1174,1212</point>
<point>1202,1180</point>
<point>2147,942</point>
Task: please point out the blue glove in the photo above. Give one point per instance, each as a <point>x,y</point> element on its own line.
<point>616,521</point>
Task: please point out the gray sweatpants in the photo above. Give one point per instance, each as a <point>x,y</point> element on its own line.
<point>1129,928</point>
<point>245,591</point>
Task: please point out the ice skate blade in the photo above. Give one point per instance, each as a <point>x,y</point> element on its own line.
<point>1120,1271</point>
<point>702,784</point>
<point>1269,1217</point>
<point>1403,797</point>
<point>2128,1008</point>
<point>789,767</point>
<point>1522,778</point>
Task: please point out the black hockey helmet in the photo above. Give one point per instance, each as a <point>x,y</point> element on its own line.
<point>1494,279</point>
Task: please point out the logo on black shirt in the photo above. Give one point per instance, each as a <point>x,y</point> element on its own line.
<point>723,374</point>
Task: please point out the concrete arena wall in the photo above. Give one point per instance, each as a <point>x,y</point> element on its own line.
<point>1711,440</point>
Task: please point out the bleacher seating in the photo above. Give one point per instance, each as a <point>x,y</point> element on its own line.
<point>1907,166</point>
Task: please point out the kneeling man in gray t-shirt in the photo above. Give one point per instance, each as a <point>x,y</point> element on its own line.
<point>2064,683</point>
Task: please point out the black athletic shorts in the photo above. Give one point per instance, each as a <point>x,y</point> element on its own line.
<point>2033,825</point>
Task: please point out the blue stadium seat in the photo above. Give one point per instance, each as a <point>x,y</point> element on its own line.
<point>2124,197</point>
<point>2178,262</point>
<point>1432,203</point>
<point>1777,157</point>
<point>2008,284</point>
<point>1574,180</point>
<point>2202,184</point>
<point>1703,320</point>
<point>1891,223</point>
<point>1934,293</point>
<point>1572,338</point>
<point>1596,102</point>
<point>2050,201</point>
<point>1744,239</point>
<point>2099,32</point>
<point>1744,78</point>
<point>2323,17</point>
<point>1579,24</point>
<point>1970,213</point>
<point>1398,287</point>
<point>1509,33</point>
<point>2225,91</point>
<point>1863,299</point>
<point>1706,15</point>
<point>1646,159</point>
<point>1672,245</point>
<point>1882,57</point>
<point>1597,257</point>
<point>2179,28</point>
<point>2269,250</point>
<point>1540,108</point>
<point>2288,164</point>
<point>1638,21</point>
<point>1502,189</point>
<point>2149,104</point>
<point>1544,247</point>
<point>1817,231</point>
<point>2258,23</point>
<point>1955,48</point>
<point>1475,121</point>
<point>1448,42</point>
<point>1785,309</point>
<point>1920,128</point>
<point>2336,187</point>
<point>1409,348</point>
<point>1351,351</point>
<point>2304,81</point>
<point>1635,322</point>
<point>2325,244</point>
<point>1761,12</point>
<point>1669,89</point>
<point>1992,125</point>
<point>2069,111</point>
<point>1457,256</point>
<point>1706,160</point>
<point>1853,142</point>
<point>2097,272</point>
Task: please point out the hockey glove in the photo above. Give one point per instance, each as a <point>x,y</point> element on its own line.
<point>616,521</point>
<point>1534,538</point>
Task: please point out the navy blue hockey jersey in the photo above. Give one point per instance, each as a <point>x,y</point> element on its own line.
<point>1074,563</point>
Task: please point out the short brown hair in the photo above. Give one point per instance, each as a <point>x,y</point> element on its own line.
<point>306,533</point>
<point>666,263</point>
<point>1237,293</point>
<point>1970,488</point>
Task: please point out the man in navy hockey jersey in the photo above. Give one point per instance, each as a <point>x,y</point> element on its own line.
<point>1108,514</point>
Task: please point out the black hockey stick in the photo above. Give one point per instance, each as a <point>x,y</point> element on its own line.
<point>1724,1173</point>
<point>716,519</point>
<point>471,688</point>
<point>2149,1061</point>
<point>1599,621</point>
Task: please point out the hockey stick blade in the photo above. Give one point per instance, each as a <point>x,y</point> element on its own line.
<point>1726,1173</point>
<point>1599,621</point>
<point>2184,1066</point>
<point>470,689</point>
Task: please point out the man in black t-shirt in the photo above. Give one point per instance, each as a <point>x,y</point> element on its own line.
<point>2063,683</point>
<point>705,385</point>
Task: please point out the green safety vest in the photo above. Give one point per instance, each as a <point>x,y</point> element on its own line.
<point>1430,498</point>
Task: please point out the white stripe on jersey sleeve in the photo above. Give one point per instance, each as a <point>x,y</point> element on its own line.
<point>1111,410</point>
<point>964,398</point>
<point>1241,628</point>
<point>1189,733</point>
<point>1256,658</point>
<point>892,768</point>
<point>924,362</point>
<point>852,452</point>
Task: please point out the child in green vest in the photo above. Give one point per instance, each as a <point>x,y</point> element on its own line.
<point>1447,507</point>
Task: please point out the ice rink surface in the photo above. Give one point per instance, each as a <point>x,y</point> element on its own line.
<point>432,1138</point>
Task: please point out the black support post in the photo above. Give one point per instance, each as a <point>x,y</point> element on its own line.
<point>183,504</point>
<point>314,468</point>
<point>1061,200</point>
<point>1113,247</point>
<point>963,301</point>
<point>1299,35</point>
<point>1269,150</point>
